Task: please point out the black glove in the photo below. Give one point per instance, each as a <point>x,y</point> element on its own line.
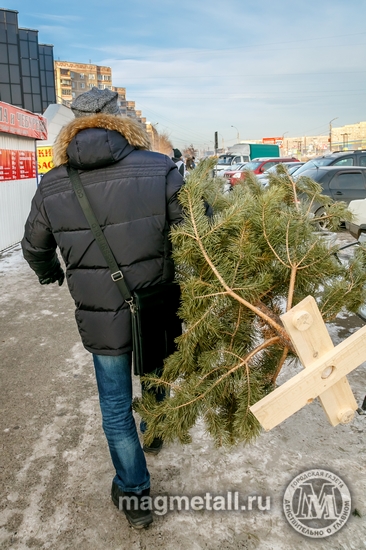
<point>49,278</point>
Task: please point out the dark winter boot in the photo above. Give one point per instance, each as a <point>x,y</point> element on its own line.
<point>137,509</point>
<point>155,446</point>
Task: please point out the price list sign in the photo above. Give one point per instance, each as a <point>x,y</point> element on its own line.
<point>17,165</point>
<point>8,165</point>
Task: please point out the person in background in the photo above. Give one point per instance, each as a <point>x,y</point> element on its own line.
<point>133,192</point>
<point>190,163</point>
<point>178,159</point>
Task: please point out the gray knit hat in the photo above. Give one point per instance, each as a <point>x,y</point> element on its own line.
<point>96,101</point>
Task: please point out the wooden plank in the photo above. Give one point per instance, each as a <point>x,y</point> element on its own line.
<point>309,384</point>
<point>311,340</point>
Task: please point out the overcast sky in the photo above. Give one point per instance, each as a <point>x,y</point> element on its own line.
<point>257,68</point>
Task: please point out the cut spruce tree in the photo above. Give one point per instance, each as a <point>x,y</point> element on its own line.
<point>260,254</point>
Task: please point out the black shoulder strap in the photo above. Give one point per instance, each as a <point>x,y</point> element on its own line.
<point>102,242</point>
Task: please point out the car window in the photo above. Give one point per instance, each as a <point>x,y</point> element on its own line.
<point>252,165</point>
<point>362,161</point>
<point>271,170</point>
<point>292,169</point>
<point>354,180</point>
<point>237,160</point>
<point>314,163</point>
<point>348,161</point>
<point>224,160</point>
<point>267,165</point>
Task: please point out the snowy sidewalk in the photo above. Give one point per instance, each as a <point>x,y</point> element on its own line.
<point>56,472</point>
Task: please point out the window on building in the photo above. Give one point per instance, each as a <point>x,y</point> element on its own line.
<point>73,85</point>
<point>101,87</point>
<point>72,75</point>
<point>100,77</point>
<point>64,91</point>
<point>73,95</point>
<point>82,85</point>
<point>91,85</point>
<point>64,71</point>
<point>81,75</point>
<point>92,77</point>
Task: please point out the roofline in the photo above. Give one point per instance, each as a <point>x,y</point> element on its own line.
<point>27,29</point>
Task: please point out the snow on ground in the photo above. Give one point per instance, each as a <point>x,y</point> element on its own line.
<point>55,468</point>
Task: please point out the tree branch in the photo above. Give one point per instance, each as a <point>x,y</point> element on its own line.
<point>280,330</point>
<point>243,362</point>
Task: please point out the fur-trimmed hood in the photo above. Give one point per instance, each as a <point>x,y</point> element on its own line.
<point>130,129</point>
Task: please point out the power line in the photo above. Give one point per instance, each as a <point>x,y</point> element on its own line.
<point>267,75</point>
<point>255,45</point>
<point>254,95</point>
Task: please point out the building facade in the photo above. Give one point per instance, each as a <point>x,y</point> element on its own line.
<point>73,79</point>
<point>26,67</point>
<point>342,138</point>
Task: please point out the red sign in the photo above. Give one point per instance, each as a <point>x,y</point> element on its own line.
<point>17,165</point>
<point>273,140</point>
<point>14,120</point>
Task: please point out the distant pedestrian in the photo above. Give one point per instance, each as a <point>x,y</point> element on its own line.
<point>190,163</point>
<point>178,159</point>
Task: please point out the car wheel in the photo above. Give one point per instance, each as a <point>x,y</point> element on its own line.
<point>321,225</point>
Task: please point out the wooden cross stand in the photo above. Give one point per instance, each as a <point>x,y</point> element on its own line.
<point>325,370</point>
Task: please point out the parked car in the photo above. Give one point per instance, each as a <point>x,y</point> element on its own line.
<point>228,161</point>
<point>338,158</point>
<point>258,166</point>
<point>232,168</point>
<point>341,183</point>
<point>291,166</point>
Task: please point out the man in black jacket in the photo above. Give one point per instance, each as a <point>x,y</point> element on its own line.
<point>178,159</point>
<point>133,193</point>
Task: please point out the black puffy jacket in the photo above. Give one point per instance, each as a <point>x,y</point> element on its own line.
<point>133,193</point>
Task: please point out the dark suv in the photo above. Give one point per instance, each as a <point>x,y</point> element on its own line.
<point>339,158</point>
<point>341,183</point>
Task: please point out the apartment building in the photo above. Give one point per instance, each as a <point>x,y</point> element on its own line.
<point>121,99</point>
<point>73,79</point>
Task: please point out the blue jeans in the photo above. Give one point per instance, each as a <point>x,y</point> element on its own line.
<point>114,381</point>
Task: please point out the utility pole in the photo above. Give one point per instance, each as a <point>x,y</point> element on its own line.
<point>345,140</point>
<point>237,133</point>
<point>216,144</point>
<point>330,133</point>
